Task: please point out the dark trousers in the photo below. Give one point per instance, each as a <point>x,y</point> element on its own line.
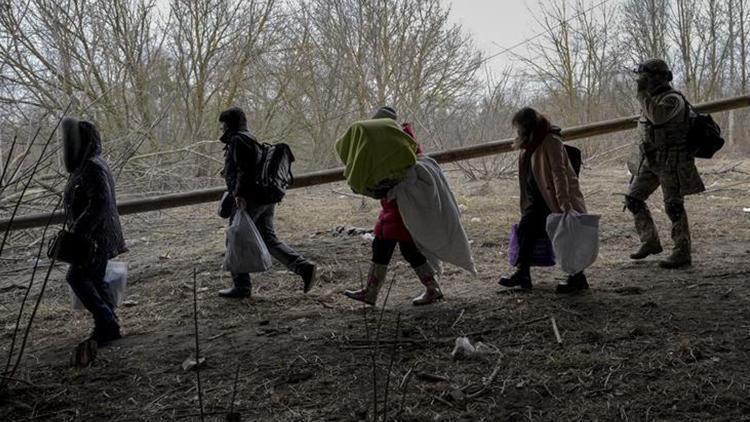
<point>382,252</point>
<point>262,216</point>
<point>533,226</point>
<point>87,282</point>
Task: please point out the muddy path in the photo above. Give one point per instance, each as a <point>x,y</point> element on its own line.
<point>642,344</point>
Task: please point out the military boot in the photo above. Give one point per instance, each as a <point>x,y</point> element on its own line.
<point>375,279</point>
<point>681,252</point>
<point>432,291</point>
<point>650,244</point>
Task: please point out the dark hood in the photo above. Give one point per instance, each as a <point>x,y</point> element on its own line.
<point>235,120</point>
<point>81,141</point>
<point>386,113</point>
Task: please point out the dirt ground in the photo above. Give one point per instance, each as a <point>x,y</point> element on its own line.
<point>643,344</point>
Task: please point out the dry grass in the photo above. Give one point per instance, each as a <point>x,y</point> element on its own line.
<point>643,344</point>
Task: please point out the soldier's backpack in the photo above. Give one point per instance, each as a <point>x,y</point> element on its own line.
<point>704,134</point>
<point>704,137</point>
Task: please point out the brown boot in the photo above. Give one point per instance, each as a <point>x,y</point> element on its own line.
<point>681,252</point>
<point>432,291</point>
<point>644,225</point>
<point>375,279</point>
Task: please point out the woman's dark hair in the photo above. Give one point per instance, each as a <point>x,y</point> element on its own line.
<point>526,118</point>
<point>525,121</point>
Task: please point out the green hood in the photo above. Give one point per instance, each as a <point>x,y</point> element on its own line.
<point>374,151</point>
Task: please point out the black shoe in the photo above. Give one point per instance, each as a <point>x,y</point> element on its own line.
<point>518,280</point>
<point>235,293</point>
<point>575,283</point>
<point>107,334</point>
<point>307,272</point>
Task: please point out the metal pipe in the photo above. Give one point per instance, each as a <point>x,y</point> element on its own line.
<point>334,175</point>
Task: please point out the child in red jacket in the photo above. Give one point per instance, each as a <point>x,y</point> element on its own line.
<point>390,231</point>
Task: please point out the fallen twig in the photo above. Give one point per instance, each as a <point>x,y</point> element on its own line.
<point>435,397</point>
<point>488,382</point>
<point>234,387</point>
<point>557,332</point>
<point>458,319</point>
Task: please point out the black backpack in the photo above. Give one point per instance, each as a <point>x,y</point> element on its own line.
<point>274,173</point>
<point>704,137</point>
<point>576,158</point>
<point>574,154</point>
<point>704,134</point>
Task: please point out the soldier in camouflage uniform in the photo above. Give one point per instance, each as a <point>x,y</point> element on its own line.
<point>663,160</point>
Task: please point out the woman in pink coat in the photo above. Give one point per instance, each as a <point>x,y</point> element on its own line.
<point>548,184</point>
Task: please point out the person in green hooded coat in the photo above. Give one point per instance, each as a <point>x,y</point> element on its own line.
<point>377,154</point>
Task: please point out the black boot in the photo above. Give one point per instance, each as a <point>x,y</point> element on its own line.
<point>235,293</point>
<point>681,253</point>
<point>307,271</point>
<point>521,279</point>
<point>243,287</point>
<point>574,283</point>
<point>106,333</point>
<point>645,250</point>
<point>649,236</point>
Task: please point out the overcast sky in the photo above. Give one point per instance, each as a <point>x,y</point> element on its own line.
<point>496,24</point>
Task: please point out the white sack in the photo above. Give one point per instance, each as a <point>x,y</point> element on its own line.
<point>575,239</point>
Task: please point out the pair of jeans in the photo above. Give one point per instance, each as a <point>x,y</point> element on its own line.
<point>382,252</point>
<point>87,282</point>
<point>262,216</point>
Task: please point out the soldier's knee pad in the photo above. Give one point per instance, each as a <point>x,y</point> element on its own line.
<point>675,210</point>
<point>634,205</point>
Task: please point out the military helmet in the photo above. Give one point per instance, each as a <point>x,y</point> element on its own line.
<point>655,67</point>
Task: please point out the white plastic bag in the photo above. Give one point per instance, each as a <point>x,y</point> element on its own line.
<point>116,276</point>
<point>463,349</point>
<point>575,239</point>
<point>246,251</point>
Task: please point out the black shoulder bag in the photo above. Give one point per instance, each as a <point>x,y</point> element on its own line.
<point>69,247</point>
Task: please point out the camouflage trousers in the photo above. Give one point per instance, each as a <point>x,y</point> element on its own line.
<point>674,170</point>
<point>671,168</point>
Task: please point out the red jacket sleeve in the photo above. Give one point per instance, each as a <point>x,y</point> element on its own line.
<point>407,127</point>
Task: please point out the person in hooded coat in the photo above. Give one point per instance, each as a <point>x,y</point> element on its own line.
<point>91,212</point>
<point>548,184</point>
<point>241,161</point>
<point>389,232</point>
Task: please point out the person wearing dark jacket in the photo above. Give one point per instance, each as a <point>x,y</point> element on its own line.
<point>548,184</point>
<point>389,232</point>
<point>91,212</point>
<point>241,161</point>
